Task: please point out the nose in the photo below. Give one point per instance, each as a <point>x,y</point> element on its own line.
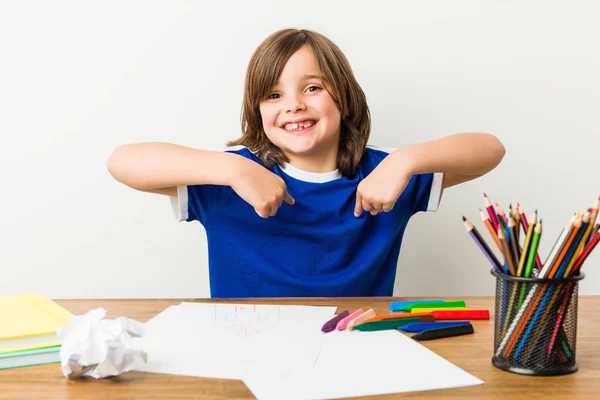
<point>295,104</point>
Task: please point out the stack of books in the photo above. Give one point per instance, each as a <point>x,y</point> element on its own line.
<point>28,330</point>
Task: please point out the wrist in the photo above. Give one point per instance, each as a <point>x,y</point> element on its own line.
<point>408,160</point>
<point>235,167</point>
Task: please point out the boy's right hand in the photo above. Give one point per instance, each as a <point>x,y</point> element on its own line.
<point>261,188</point>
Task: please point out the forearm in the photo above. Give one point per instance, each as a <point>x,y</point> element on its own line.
<point>147,166</point>
<point>469,154</point>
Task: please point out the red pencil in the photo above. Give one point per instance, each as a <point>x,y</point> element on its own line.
<point>491,212</point>
<point>524,222</point>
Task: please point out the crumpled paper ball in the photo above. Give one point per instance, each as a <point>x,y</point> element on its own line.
<point>99,348</point>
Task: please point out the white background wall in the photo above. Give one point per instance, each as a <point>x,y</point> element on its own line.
<point>79,78</point>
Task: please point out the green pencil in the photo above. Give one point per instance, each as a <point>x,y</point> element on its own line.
<point>531,256</point>
<point>535,241</point>
<point>527,245</point>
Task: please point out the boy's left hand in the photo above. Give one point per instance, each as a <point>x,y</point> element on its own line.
<point>379,191</point>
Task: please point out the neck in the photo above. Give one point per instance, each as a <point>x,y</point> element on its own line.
<point>318,163</point>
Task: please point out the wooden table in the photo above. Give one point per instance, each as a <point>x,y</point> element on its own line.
<point>472,353</point>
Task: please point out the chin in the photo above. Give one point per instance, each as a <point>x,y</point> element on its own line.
<point>295,146</point>
<point>298,152</point>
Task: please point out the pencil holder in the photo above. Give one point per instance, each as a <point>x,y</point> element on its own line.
<point>535,330</point>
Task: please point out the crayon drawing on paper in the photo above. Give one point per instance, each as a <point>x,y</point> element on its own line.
<point>246,320</point>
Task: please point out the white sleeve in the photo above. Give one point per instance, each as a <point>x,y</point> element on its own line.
<point>435,194</point>
<point>179,204</point>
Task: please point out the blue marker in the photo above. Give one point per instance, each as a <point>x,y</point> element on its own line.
<point>425,326</point>
<point>397,305</point>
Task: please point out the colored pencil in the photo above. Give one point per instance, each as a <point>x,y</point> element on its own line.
<point>595,230</point>
<point>482,244</point>
<point>517,218</point>
<point>580,245</point>
<point>524,222</point>
<point>593,223</point>
<point>558,245</point>
<point>597,204</point>
<point>513,239</point>
<point>559,319</point>
<point>491,211</point>
<point>571,251</point>
<point>508,256</point>
<point>535,240</point>
<point>586,252</point>
<point>500,212</point>
<point>537,233</point>
<point>527,245</point>
<point>525,225</point>
<point>563,252</point>
<point>571,267</point>
<point>488,224</point>
<point>541,314</point>
<point>500,216</point>
<point>516,326</point>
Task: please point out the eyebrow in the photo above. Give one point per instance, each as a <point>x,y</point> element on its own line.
<point>313,77</point>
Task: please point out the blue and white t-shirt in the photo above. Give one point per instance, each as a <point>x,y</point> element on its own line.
<point>316,247</point>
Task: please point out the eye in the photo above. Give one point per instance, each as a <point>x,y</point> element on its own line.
<point>274,96</point>
<point>313,88</point>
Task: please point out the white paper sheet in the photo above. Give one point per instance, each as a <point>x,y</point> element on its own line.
<point>231,340</point>
<point>353,363</point>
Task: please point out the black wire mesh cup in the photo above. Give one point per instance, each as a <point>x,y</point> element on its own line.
<point>535,331</point>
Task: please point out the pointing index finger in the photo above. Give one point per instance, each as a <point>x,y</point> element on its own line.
<point>358,207</point>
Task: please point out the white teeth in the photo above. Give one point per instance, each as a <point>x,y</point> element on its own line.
<point>297,127</point>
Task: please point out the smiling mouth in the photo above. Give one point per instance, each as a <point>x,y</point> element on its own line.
<point>299,126</point>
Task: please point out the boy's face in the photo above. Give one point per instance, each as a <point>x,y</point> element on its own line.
<point>300,117</point>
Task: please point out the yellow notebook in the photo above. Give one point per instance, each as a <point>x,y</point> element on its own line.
<point>29,321</point>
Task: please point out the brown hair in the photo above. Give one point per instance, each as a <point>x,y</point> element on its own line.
<point>262,73</point>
